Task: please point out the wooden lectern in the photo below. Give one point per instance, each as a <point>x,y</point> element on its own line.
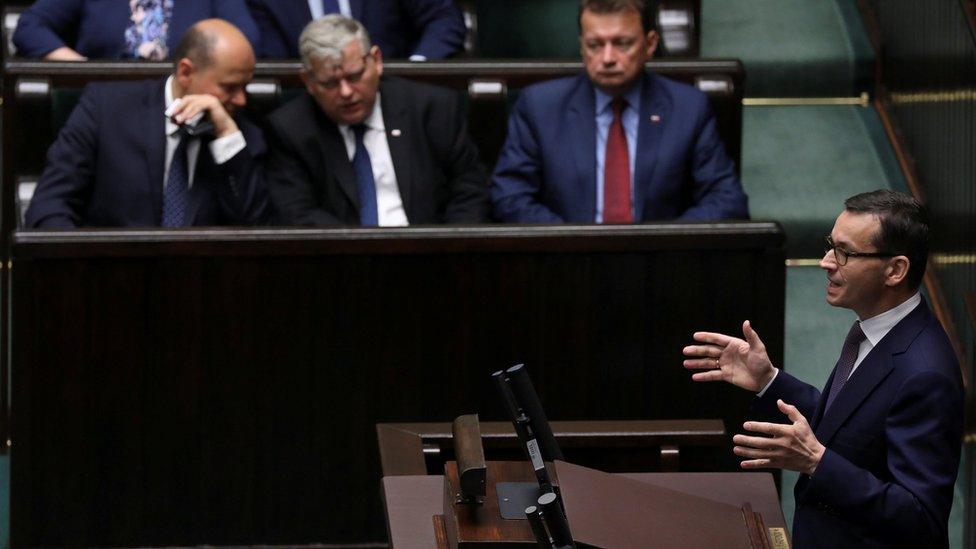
<point>680,510</point>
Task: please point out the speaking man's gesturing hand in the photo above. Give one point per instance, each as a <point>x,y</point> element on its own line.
<point>792,446</point>
<point>741,362</point>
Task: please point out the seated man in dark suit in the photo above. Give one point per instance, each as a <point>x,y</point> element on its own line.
<point>132,154</point>
<point>618,144</point>
<point>879,448</point>
<point>359,149</point>
<point>73,30</point>
<point>418,29</point>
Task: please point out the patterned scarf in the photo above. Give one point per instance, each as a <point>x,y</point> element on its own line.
<point>145,37</point>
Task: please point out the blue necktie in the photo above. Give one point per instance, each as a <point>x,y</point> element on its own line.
<point>848,355</point>
<point>364,179</point>
<point>177,192</point>
<point>330,6</point>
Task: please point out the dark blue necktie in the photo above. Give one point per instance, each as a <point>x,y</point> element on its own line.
<point>364,179</point>
<point>848,356</point>
<point>177,191</point>
<point>330,6</point>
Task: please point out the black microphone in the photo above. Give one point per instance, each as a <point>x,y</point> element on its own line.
<point>523,428</point>
<point>538,527</point>
<point>528,400</point>
<point>555,519</point>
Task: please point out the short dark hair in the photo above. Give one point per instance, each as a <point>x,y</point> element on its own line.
<point>197,45</point>
<point>904,227</point>
<point>646,8</point>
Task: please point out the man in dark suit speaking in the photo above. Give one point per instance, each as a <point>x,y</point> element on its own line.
<point>132,153</point>
<point>363,149</point>
<point>617,144</point>
<point>879,447</point>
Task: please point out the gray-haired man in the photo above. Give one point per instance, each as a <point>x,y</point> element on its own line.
<point>363,149</point>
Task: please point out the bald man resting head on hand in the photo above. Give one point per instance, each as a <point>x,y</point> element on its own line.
<point>172,152</point>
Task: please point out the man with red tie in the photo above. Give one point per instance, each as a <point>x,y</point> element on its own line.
<point>617,144</point>
<point>878,449</point>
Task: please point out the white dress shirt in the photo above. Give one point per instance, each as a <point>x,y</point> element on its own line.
<point>874,328</point>
<point>222,149</point>
<point>389,205</point>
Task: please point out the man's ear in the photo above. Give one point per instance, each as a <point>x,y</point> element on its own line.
<point>897,270</point>
<point>184,72</point>
<point>378,57</point>
<point>652,41</point>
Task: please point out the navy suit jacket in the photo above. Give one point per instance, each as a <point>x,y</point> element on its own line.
<point>893,436</point>
<point>105,169</point>
<point>438,172</point>
<point>401,28</point>
<point>96,28</point>
<point>546,172</point>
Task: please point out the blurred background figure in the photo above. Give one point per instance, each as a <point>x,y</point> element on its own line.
<point>418,29</point>
<point>74,30</point>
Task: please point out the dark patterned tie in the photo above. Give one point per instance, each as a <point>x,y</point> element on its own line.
<point>848,355</point>
<point>616,170</point>
<point>177,191</point>
<point>361,163</point>
<point>145,37</point>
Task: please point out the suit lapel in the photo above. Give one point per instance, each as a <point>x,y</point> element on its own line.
<point>654,114</point>
<point>395,117</point>
<point>154,145</point>
<point>818,414</point>
<point>581,131</point>
<point>872,371</point>
<point>875,367</point>
<point>333,155</point>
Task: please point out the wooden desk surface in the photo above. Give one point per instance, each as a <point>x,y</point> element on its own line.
<point>412,500</point>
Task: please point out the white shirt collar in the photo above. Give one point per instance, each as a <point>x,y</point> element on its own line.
<point>633,97</point>
<point>168,99</point>
<point>375,119</point>
<point>876,327</point>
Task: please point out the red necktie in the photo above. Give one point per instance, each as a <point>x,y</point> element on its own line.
<point>616,171</point>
